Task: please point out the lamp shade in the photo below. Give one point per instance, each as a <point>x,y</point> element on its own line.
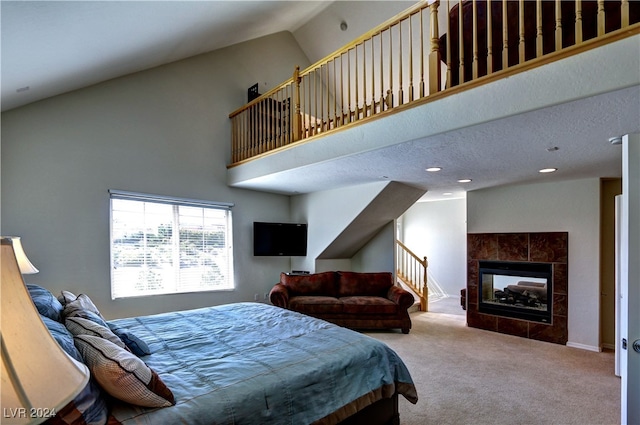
<point>23,262</point>
<point>38,377</point>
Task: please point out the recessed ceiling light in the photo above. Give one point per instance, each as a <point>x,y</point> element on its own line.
<point>23,89</point>
<point>548,170</point>
<point>447,193</point>
<point>433,169</point>
<point>464,180</point>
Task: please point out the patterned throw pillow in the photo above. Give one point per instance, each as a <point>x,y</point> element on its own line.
<point>45,302</point>
<point>122,374</point>
<point>81,303</point>
<point>80,326</point>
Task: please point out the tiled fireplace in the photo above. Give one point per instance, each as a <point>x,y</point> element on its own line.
<point>517,284</point>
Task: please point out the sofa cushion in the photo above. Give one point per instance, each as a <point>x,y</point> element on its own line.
<point>368,305</point>
<point>353,284</point>
<point>315,304</point>
<point>311,284</point>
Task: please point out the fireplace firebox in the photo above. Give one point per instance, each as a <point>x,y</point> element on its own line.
<point>521,290</point>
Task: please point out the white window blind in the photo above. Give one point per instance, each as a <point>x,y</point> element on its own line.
<point>163,245</point>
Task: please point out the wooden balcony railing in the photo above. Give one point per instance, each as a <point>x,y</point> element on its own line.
<point>412,271</point>
<point>407,59</point>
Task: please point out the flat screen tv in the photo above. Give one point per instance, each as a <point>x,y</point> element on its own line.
<point>279,239</point>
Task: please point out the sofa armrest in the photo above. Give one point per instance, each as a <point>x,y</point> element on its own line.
<point>400,296</point>
<point>279,295</point>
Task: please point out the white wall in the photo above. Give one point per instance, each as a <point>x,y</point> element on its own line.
<point>163,131</point>
<point>328,212</point>
<point>569,206</point>
<point>438,230</point>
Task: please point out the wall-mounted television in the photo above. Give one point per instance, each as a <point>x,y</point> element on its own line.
<point>279,239</point>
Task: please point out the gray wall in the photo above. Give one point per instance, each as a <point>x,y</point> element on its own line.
<point>163,131</point>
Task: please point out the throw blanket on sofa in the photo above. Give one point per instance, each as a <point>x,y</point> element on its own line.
<point>250,363</point>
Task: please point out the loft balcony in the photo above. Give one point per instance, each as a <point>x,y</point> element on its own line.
<point>409,63</point>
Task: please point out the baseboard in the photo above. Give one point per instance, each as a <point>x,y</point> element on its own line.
<point>584,346</point>
<point>611,347</point>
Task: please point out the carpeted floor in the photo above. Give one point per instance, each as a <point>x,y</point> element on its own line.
<point>470,376</point>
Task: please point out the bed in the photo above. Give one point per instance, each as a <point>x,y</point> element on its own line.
<point>250,363</point>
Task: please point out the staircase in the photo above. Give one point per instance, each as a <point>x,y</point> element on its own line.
<point>411,271</point>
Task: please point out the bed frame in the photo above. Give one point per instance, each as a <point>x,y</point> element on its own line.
<point>382,412</point>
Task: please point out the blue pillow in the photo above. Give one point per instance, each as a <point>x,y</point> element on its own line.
<point>45,302</point>
<point>63,337</point>
<point>133,343</point>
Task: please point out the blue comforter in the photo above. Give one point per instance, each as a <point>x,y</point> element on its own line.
<point>251,363</point>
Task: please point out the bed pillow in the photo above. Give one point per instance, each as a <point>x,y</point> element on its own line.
<point>82,303</point>
<point>122,374</point>
<point>133,343</point>
<point>45,302</point>
<point>89,407</point>
<point>66,297</point>
<point>62,336</point>
<point>80,326</point>
<point>89,315</point>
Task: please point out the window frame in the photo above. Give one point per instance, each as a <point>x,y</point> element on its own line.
<point>176,203</point>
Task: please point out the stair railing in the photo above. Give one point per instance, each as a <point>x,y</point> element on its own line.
<point>412,271</point>
<point>415,56</point>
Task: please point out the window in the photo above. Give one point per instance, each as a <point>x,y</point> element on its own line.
<point>162,245</point>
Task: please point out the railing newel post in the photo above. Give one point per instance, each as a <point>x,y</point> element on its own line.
<point>434,54</point>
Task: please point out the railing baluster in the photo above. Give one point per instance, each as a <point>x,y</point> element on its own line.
<point>539,28</point>
<point>422,52</point>
<point>521,48</point>
<point>400,79</point>
<point>624,14</point>
<point>601,28</point>
<point>474,47</point>
<point>357,81</point>
<point>382,100</point>
<point>460,44</point>
<point>449,76</point>
<point>364,79</point>
<point>390,90</point>
<point>505,36</point>
<point>558,25</point>
<point>410,60</point>
<point>489,26</point>
<point>578,26</point>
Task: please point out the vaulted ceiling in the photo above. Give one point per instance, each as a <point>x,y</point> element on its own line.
<point>52,47</point>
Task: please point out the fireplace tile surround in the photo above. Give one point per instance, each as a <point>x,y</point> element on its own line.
<point>549,247</point>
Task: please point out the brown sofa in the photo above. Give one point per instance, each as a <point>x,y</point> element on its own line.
<point>350,299</point>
